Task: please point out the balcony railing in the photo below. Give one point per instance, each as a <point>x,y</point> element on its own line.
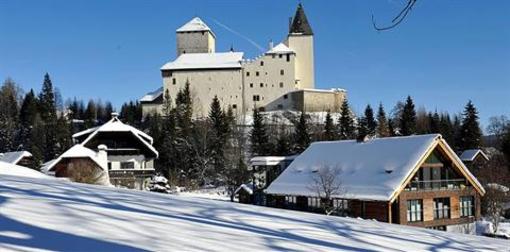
<point>443,184</point>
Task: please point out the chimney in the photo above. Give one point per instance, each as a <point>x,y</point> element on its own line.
<point>102,158</point>
<point>114,115</point>
<point>271,44</point>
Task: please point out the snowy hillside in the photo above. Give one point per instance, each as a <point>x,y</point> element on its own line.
<point>50,214</point>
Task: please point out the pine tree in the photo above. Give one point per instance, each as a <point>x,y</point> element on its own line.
<point>470,133</point>
<point>184,128</point>
<point>64,141</point>
<point>408,118</point>
<point>347,129</point>
<point>28,113</point>
<point>258,135</point>
<point>362,129</point>
<point>382,123</point>
<point>434,123</point>
<point>167,161</point>
<point>302,137</point>
<point>218,140</point>
<point>91,114</point>
<point>48,112</point>
<point>371,124</point>
<point>329,128</point>
<point>445,128</point>
<point>391,128</point>
<point>505,145</point>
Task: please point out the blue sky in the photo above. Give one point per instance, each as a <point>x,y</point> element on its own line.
<point>444,54</point>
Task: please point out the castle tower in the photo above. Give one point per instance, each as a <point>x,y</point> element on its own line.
<point>195,37</point>
<point>300,40</point>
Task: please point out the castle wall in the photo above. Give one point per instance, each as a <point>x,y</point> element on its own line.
<point>304,66</point>
<point>195,42</point>
<point>275,78</point>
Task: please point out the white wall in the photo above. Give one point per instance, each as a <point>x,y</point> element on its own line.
<point>195,42</point>
<point>303,46</point>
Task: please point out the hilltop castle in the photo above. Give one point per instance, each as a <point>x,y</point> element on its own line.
<point>282,78</point>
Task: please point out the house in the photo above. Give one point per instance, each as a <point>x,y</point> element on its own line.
<point>130,154</point>
<point>474,158</point>
<point>264,170</point>
<point>90,163</point>
<point>282,77</point>
<point>411,180</point>
<point>245,193</point>
<point>22,158</point>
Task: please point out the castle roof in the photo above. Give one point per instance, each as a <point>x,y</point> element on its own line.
<point>190,61</point>
<point>152,96</point>
<point>280,49</point>
<point>300,23</point>
<point>194,25</point>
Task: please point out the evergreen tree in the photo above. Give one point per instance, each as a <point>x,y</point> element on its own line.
<point>347,129</point>
<point>91,114</point>
<point>505,145</point>
<point>28,113</point>
<point>470,133</point>
<point>434,122</point>
<point>329,128</point>
<point>382,123</point>
<point>362,129</point>
<point>408,118</point>
<point>302,137</point>
<point>167,161</point>
<point>184,133</point>
<point>8,116</point>
<point>391,128</point>
<point>48,112</point>
<point>446,128</point>
<point>457,136</point>
<point>218,140</point>
<point>371,124</point>
<point>258,135</point>
<point>64,141</point>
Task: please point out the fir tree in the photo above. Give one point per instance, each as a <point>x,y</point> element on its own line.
<point>64,141</point>
<point>391,128</point>
<point>382,123</point>
<point>470,133</point>
<point>408,118</point>
<point>184,128</point>
<point>347,129</point>
<point>329,128</point>
<point>8,116</point>
<point>258,135</point>
<point>91,114</point>
<point>48,112</point>
<point>362,129</point>
<point>302,137</point>
<point>28,113</point>
<point>434,122</point>
<point>505,145</point>
<point>371,124</point>
<point>446,128</point>
<point>218,140</point>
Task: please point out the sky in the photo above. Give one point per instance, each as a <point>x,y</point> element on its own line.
<point>444,54</point>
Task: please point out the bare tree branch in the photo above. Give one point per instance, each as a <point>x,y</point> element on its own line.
<point>398,19</point>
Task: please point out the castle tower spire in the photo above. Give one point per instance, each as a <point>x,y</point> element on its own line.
<point>300,23</point>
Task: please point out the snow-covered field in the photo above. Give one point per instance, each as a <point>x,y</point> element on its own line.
<point>50,214</point>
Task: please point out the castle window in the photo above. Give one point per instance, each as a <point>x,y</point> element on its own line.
<point>174,81</point>
<point>261,63</point>
<point>256,98</point>
<point>285,96</point>
<point>257,73</point>
<point>282,72</point>
<point>262,109</point>
<point>251,85</point>
<point>261,84</point>
<point>203,32</point>
<point>234,106</point>
<point>247,73</point>
<point>273,56</point>
<point>280,56</point>
<point>288,57</point>
<point>280,106</point>
<point>281,84</point>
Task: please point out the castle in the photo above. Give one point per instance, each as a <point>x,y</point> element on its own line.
<point>282,78</point>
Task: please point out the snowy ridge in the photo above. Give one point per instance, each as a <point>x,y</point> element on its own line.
<point>95,218</point>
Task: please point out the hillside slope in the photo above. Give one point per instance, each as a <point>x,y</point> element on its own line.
<point>48,214</point>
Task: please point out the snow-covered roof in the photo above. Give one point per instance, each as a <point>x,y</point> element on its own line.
<point>370,170</point>
<point>115,125</point>
<point>195,24</point>
<point>77,151</point>
<point>280,49</point>
<point>17,170</point>
<point>470,155</point>
<point>247,187</point>
<point>221,60</point>
<point>270,160</point>
<point>151,96</point>
<point>14,157</point>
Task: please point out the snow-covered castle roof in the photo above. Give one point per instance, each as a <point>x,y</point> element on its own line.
<point>280,49</point>
<point>370,170</point>
<point>221,60</point>
<point>195,24</point>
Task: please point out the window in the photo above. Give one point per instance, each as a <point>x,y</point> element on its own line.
<point>251,85</point>
<point>290,201</point>
<point>257,73</point>
<point>340,204</point>
<point>282,72</point>
<point>281,84</point>
<point>288,57</point>
<point>234,106</point>
<point>280,106</point>
<point>441,208</point>
<point>109,165</point>
<point>314,202</point>
<point>261,63</point>
<point>467,206</point>
<point>285,96</point>
<point>261,84</point>
<point>174,81</point>
<point>247,73</point>
<point>272,56</point>
<point>280,56</point>
<point>256,98</point>
<point>127,165</point>
<point>414,210</point>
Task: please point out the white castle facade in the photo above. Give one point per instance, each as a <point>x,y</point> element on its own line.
<point>282,78</point>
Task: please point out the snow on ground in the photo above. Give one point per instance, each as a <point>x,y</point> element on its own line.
<point>50,214</point>
<point>215,193</point>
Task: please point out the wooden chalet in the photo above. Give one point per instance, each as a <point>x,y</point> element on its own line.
<point>474,159</point>
<point>413,180</point>
<point>23,158</point>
